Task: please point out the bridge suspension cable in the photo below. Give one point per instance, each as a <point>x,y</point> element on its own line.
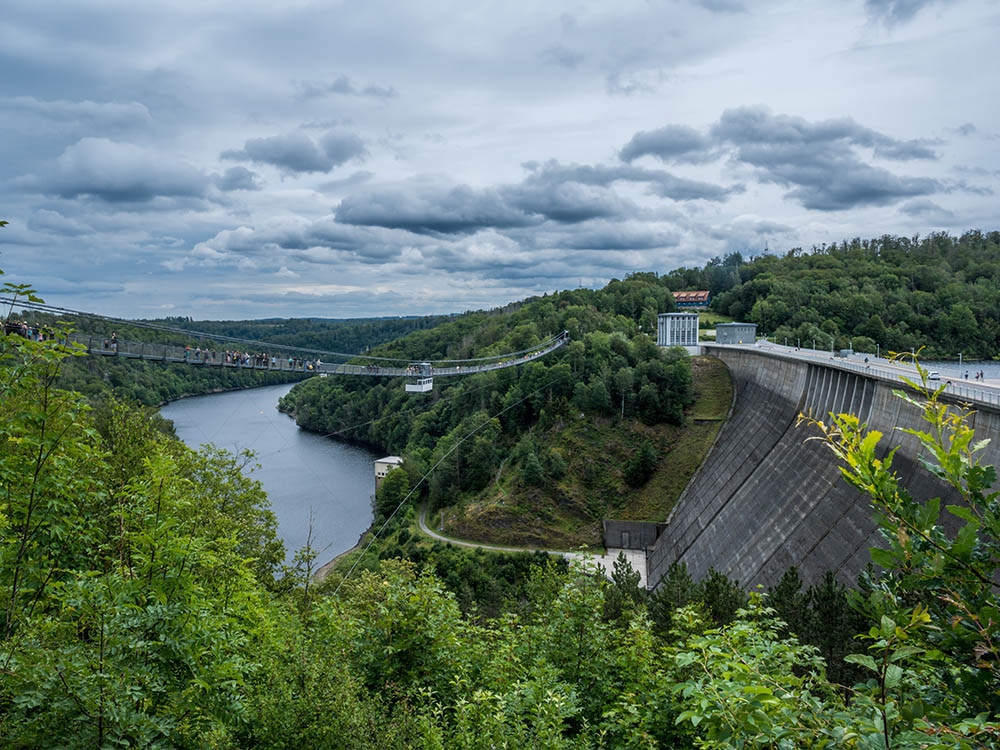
<point>371,365</point>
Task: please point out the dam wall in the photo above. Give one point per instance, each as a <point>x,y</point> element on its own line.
<point>768,497</point>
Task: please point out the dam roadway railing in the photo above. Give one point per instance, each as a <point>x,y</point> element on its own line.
<point>885,370</point>
<point>105,346</point>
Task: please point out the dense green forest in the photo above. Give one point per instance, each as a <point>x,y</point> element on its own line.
<point>894,293</point>
<point>346,335</point>
<point>561,442</point>
<point>143,604</point>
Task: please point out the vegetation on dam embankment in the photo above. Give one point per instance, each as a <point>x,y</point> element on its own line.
<point>594,472</point>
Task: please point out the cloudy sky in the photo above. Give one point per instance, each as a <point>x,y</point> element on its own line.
<point>255,158</point>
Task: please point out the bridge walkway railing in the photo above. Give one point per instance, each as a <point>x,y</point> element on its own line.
<point>108,347</point>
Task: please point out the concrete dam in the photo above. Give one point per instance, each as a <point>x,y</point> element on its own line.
<point>767,498</point>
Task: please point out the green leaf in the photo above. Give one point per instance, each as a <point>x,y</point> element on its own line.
<point>962,512</point>
<point>862,659</point>
<point>929,513</point>
<point>965,540</point>
<point>893,675</point>
<point>888,625</point>
<point>883,557</point>
<point>904,652</point>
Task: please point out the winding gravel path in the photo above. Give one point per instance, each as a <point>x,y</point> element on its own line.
<point>588,559</point>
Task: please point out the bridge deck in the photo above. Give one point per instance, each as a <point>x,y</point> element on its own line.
<point>215,358</point>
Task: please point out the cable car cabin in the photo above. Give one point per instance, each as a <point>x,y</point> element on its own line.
<point>425,382</point>
<point>423,385</point>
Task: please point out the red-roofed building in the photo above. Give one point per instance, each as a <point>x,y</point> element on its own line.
<point>692,299</point>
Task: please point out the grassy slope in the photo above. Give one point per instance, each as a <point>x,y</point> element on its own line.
<point>568,512</point>
<point>713,317</point>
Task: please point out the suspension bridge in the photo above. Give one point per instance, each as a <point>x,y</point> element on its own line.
<point>215,350</point>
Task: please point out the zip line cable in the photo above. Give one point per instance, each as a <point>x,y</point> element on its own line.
<point>42,307</point>
<point>431,471</point>
<point>409,410</point>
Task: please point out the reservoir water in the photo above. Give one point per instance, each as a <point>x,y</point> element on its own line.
<point>301,472</point>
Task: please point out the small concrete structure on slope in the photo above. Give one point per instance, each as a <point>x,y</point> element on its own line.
<point>383,466</point>
<point>735,333</point>
<point>631,534</point>
<point>678,329</point>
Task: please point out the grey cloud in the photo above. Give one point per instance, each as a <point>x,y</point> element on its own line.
<point>961,186</point>
<point>609,236</point>
<point>237,178</point>
<point>499,258</point>
<point>560,55</point>
<point>893,12</point>
<point>818,161</point>
<point>664,184</point>
<point>627,83</point>
<point>341,147</point>
<point>432,209</point>
<point>117,173</point>
<point>76,285</point>
<point>749,231</point>
<point>566,194</point>
<point>852,185</point>
<point>298,153</point>
<point>966,129</point>
<point>974,170</point>
<point>670,143</point>
<point>325,124</point>
<point>683,189</point>
<point>351,181</point>
<point>757,125</point>
<point>722,6</point>
<point>567,202</point>
<point>927,210</point>
<point>52,222</point>
<point>80,115</point>
<point>342,85</point>
<point>319,242</point>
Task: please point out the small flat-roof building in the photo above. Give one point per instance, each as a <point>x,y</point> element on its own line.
<point>692,298</point>
<point>383,466</point>
<point>677,329</point>
<point>736,333</point>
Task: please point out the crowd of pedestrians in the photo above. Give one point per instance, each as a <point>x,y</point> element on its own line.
<point>231,358</point>
<point>255,360</point>
<point>25,331</point>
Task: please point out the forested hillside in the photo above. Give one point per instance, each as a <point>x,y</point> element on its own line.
<point>564,441</point>
<point>142,604</point>
<point>899,293</point>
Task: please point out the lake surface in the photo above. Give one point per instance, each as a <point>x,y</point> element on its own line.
<point>301,472</point>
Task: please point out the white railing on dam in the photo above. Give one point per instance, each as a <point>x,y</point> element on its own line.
<point>877,368</point>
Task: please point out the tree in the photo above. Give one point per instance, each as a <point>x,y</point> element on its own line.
<point>642,466</point>
<point>624,594</point>
<point>390,494</point>
<point>935,602</point>
<point>674,591</point>
<point>531,469</point>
